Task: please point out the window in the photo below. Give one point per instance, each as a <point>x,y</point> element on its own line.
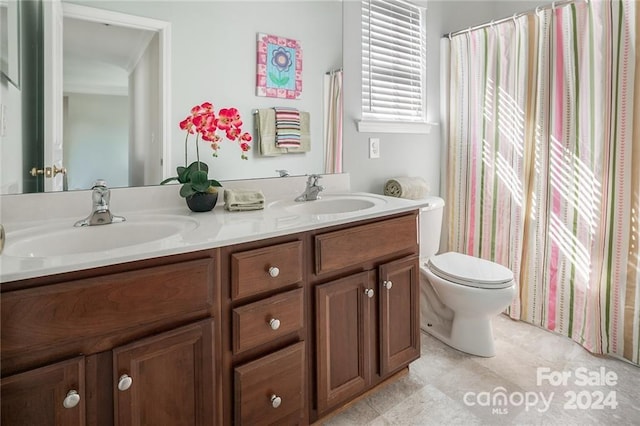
<point>393,62</point>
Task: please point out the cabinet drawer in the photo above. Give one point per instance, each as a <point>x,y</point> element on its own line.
<point>85,314</point>
<point>269,268</point>
<point>271,388</point>
<point>350,247</point>
<point>261,322</point>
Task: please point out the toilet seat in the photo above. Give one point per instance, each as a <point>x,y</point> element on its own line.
<point>470,271</point>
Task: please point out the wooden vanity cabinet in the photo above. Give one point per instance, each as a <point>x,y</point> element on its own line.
<point>264,352</point>
<point>367,320</point>
<point>114,346</point>
<point>277,331</point>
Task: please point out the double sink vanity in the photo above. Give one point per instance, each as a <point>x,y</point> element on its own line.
<point>277,316</point>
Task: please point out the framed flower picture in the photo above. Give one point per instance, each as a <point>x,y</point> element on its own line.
<point>279,67</point>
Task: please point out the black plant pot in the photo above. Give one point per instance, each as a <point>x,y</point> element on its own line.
<point>202,202</point>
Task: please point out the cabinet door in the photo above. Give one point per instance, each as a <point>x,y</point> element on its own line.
<point>40,397</point>
<point>344,335</point>
<point>166,379</point>
<point>399,314</point>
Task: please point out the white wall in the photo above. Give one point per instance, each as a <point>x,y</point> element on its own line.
<point>11,166</point>
<point>145,145</point>
<point>97,145</point>
<point>407,154</point>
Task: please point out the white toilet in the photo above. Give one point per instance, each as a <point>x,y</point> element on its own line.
<point>459,294</point>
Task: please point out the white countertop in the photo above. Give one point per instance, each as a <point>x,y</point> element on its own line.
<point>208,230</point>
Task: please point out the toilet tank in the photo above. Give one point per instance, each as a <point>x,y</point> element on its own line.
<point>431,227</point>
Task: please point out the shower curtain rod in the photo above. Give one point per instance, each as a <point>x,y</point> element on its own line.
<point>514,16</point>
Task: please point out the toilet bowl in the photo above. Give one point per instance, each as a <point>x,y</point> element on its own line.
<point>472,302</point>
<point>460,294</point>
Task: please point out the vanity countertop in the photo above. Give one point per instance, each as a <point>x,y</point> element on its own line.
<point>206,231</point>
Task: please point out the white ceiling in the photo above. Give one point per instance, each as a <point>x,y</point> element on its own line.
<point>97,57</point>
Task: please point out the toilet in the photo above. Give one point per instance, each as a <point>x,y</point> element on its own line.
<point>459,294</point>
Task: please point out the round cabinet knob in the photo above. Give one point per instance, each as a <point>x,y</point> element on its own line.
<point>274,323</point>
<point>368,292</point>
<point>387,285</point>
<point>275,401</point>
<point>274,271</point>
<point>72,399</point>
<point>124,382</point>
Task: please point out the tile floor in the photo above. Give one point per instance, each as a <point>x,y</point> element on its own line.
<point>448,387</point>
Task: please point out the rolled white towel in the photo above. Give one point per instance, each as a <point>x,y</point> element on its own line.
<point>243,199</point>
<point>412,188</point>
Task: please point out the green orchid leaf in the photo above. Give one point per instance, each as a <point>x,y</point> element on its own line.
<point>214,182</point>
<point>199,181</point>
<point>183,174</point>
<point>186,190</point>
<point>171,179</point>
<point>193,167</point>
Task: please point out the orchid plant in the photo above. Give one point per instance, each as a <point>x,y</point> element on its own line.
<point>203,122</point>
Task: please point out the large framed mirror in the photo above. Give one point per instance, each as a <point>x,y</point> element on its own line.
<point>10,41</point>
<point>211,51</point>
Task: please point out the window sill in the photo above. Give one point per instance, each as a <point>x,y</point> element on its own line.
<point>394,127</point>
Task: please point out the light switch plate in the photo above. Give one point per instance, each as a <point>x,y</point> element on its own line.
<point>374,148</point>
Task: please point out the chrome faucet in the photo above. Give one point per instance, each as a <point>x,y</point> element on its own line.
<point>283,173</point>
<point>100,213</point>
<point>312,190</point>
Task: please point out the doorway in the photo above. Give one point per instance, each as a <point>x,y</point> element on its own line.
<point>108,98</point>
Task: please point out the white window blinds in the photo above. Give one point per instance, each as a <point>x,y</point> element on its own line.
<point>393,61</point>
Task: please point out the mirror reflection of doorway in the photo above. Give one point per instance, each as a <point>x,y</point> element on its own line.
<point>114,98</point>
<point>103,68</point>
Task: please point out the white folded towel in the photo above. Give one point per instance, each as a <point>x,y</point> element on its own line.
<point>265,121</point>
<point>243,199</point>
<point>412,188</point>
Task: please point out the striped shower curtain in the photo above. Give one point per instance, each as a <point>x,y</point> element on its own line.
<point>543,171</point>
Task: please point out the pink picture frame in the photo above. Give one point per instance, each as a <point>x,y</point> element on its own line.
<point>278,67</point>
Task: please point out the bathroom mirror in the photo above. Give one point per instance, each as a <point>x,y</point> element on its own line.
<point>212,51</point>
<point>9,41</point>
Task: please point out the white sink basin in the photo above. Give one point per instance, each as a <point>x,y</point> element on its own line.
<point>331,204</point>
<point>62,238</point>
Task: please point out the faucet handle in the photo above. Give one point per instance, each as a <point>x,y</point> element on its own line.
<point>101,193</point>
<point>99,183</point>
<point>313,179</point>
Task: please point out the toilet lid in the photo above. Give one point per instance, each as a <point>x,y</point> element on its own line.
<point>470,271</point>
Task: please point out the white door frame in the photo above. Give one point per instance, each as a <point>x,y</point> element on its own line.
<point>54,11</point>
<point>53,112</point>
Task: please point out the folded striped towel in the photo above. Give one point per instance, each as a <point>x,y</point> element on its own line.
<point>287,127</point>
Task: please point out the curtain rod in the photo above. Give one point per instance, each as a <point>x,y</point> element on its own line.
<point>515,16</point>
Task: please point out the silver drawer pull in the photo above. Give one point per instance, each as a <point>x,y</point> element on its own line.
<point>387,284</point>
<point>124,382</point>
<point>275,401</point>
<point>274,271</point>
<point>368,292</point>
<point>274,323</point>
<point>72,399</point>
